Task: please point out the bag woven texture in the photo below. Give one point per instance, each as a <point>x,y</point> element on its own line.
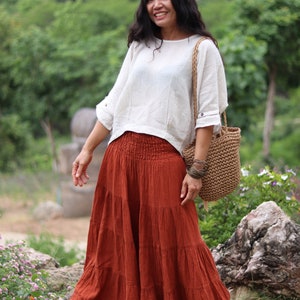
<point>223,158</point>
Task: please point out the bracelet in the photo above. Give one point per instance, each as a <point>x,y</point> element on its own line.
<point>195,172</point>
<point>202,163</point>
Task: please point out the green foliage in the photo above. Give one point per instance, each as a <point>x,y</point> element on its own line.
<point>8,5</point>
<point>18,148</point>
<point>212,12</point>
<point>67,65</point>
<point>218,224</point>
<point>15,139</point>
<point>38,157</point>
<point>71,22</point>
<point>32,90</point>
<point>56,248</point>
<point>19,277</point>
<point>276,22</point>
<point>245,72</point>
<point>6,33</point>
<point>35,12</point>
<point>87,70</point>
<point>42,13</point>
<point>286,133</point>
<point>59,56</point>
<point>287,152</point>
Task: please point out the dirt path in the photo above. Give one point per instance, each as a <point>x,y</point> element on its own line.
<point>16,221</point>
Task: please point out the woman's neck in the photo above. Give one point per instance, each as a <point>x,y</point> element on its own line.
<point>173,34</point>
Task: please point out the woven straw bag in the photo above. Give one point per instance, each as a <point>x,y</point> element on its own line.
<point>223,158</point>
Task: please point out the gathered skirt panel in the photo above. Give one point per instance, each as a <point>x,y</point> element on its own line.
<point>142,244</point>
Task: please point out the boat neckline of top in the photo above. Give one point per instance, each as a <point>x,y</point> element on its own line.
<point>179,40</point>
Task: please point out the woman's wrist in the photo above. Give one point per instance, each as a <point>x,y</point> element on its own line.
<point>198,169</point>
<point>88,149</point>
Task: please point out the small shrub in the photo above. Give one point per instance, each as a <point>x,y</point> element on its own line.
<point>218,224</point>
<point>56,248</point>
<point>18,277</point>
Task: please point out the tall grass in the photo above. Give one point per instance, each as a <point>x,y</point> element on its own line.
<point>29,187</point>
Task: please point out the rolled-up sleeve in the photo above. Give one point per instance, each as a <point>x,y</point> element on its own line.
<point>104,113</point>
<point>105,109</point>
<point>211,86</point>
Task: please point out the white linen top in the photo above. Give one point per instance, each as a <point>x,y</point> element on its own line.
<point>153,91</point>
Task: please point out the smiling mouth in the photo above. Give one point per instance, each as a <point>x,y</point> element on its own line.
<point>158,15</point>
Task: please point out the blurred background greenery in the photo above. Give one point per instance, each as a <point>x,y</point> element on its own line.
<point>58,56</point>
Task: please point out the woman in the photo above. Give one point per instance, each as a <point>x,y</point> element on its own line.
<point>144,242</point>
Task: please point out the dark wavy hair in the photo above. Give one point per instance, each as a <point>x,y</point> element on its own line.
<point>188,18</point>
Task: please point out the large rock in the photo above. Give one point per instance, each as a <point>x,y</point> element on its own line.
<point>64,278</point>
<point>263,253</point>
<point>59,278</point>
<point>77,201</point>
<point>40,260</point>
<point>82,124</point>
<point>47,211</point>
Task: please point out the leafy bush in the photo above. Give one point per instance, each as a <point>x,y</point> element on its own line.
<point>19,150</point>
<point>38,157</point>
<point>223,216</point>
<point>15,139</point>
<point>56,248</point>
<point>19,278</point>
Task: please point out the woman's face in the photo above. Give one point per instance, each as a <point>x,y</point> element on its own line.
<point>162,13</point>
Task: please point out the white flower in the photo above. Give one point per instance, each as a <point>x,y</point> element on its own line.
<point>245,172</point>
<point>292,172</point>
<point>263,172</point>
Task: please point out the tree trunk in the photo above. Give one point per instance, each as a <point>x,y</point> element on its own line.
<point>269,115</point>
<point>48,130</point>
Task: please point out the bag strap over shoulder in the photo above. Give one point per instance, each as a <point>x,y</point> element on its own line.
<point>194,81</point>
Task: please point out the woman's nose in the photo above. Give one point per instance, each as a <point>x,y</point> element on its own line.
<point>157,3</point>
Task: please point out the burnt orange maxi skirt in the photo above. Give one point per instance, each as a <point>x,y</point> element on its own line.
<point>142,244</point>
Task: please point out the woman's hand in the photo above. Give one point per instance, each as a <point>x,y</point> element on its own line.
<point>192,186</point>
<point>190,189</point>
<point>80,165</point>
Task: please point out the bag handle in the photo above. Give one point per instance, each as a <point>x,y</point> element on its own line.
<point>194,82</point>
